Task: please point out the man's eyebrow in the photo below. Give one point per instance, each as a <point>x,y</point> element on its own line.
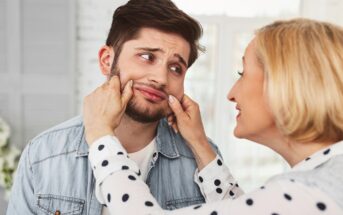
<point>149,49</point>
<point>181,60</point>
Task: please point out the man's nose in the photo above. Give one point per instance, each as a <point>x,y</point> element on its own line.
<point>159,75</point>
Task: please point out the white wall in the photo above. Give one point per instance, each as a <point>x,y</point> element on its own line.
<point>37,84</point>
<point>325,10</point>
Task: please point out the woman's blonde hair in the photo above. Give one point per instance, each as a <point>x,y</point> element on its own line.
<point>303,64</point>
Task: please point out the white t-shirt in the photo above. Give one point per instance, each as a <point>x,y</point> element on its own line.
<point>142,159</point>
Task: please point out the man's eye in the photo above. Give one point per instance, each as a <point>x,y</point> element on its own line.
<point>176,69</point>
<point>147,56</point>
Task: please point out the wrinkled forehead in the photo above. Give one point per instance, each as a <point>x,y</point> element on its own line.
<point>151,38</point>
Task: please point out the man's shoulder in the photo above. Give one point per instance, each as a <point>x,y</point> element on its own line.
<point>60,139</point>
<point>70,127</point>
<point>66,126</point>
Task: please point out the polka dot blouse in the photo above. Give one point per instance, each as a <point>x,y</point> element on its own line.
<point>120,188</point>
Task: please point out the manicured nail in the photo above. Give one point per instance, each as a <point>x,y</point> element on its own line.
<point>130,83</point>
<point>175,130</point>
<point>171,99</point>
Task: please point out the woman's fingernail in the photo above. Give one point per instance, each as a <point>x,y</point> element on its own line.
<point>171,99</point>
<point>130,83</point>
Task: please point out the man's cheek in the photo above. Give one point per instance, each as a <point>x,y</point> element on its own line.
<point>124,78</point>
<point>179,93</point>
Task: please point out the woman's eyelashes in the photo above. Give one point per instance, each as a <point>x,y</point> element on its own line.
<point>240,73</point>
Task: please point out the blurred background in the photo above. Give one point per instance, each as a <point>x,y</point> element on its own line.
<point>48,63</point>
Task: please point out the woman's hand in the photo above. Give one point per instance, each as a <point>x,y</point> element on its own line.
<point>188,122</point>
<point>104,108</point>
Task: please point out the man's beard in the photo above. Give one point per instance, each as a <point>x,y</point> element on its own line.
<point>141,114</point>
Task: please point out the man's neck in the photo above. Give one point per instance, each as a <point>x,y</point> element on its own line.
<point>134,135</point>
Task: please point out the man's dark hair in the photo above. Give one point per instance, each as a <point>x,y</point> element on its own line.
<point>162,15</point>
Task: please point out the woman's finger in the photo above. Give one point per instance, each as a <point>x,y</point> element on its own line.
<point>127,93</point>
<point>175,128</point>
<point>176,107</point>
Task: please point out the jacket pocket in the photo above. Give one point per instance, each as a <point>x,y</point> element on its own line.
<point>184,202</point>
<point>54,204</point>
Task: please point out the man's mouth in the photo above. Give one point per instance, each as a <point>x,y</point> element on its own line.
<point>150,93</point>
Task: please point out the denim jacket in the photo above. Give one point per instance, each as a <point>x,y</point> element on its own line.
<point>54,173</point>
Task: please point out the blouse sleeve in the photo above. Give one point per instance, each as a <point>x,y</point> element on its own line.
<point>120,188</point>
<point>216,182</point>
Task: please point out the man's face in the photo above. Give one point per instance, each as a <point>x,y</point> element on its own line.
<point>157,64</point>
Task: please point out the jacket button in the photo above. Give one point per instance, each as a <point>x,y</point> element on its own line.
<point>57,212</point>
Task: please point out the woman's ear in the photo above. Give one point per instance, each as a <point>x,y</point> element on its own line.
<point>105,57</point>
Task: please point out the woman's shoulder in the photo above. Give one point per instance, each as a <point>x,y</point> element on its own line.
<point>326,177</point>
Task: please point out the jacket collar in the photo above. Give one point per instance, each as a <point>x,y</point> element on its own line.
<point>82,149</point>
<point>165,141</point>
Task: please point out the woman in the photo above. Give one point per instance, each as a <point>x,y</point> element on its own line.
<point>289,98</point>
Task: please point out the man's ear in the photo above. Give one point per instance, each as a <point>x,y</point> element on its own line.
<point>105,57</point>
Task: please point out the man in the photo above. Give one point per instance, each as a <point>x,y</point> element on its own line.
<point>151,43</point>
